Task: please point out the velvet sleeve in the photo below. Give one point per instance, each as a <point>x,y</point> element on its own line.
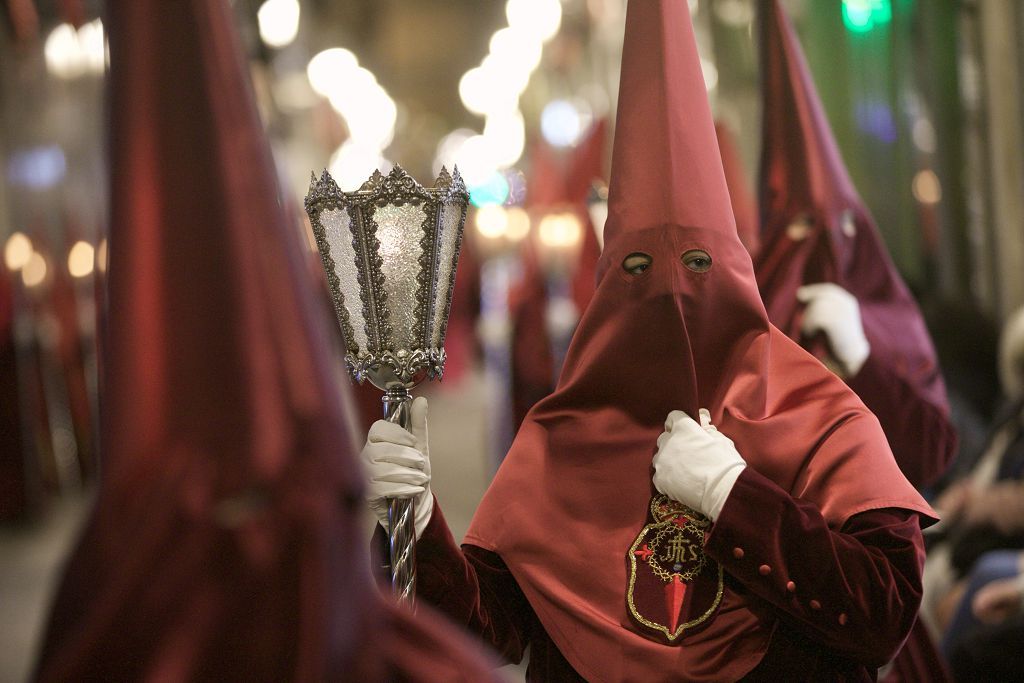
<point>919,431</point>
<point>855,591</point>
<point>474,588</point>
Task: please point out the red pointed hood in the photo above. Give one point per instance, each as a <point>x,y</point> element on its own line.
<point>666,169</point>
<point>577,480</point>
<point>225,541</point>
<point>816,228</point>
<point>801,167</point>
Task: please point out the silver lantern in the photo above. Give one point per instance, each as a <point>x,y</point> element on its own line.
<point>390,250</point>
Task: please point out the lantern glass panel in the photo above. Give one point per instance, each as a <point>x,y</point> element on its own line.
<point>448,244</point>
<point>399,231</point>
<point>337,226</point>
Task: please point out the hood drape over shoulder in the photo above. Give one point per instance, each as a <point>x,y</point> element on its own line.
<point>575,488</point>
<point>815,228</point>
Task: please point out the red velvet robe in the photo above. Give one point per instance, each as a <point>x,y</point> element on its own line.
<point>840,601</point>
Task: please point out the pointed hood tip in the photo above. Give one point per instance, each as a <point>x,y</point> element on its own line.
<point>798,144</point>
<point>664,132</point>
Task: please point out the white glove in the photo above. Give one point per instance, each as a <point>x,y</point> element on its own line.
<point>696,464</point>
<point>397,465</point>
<point>834,311</point>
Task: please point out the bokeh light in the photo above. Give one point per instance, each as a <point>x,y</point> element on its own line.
<point>517,224</point>
<point>560,230</point>
<point>17,251</point>
<point>926,187</point>
<point>492,190</point>
<point>81,259</point>
<point>491,221</point>
<point>278,21</point>
<point>34,272</point>
<point>71,53</point>
<point>563,122</point>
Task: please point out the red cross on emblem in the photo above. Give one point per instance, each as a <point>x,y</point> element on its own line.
<point>644,552</point>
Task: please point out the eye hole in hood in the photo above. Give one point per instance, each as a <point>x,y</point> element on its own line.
<point>697,260</point>
<point>636,263</point>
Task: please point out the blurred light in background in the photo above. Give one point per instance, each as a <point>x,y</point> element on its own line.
<point>735,13</point>
<point>927,188</point>
<point>101,255</point>
<point>279,22</point>
<point>449,147</point>
<point>476,162</point>
<point>541,17</point>
<point>492,87</point>
<point>521,45</point>
<point>492,190</point>
<point>518,224</point>
<point>860,16</point>
<point>17,251</point>
<point>491,221</point>
<point>353,163</point>
<point>875,118</point>
<point>560,230</point>
<point>37,168</point>
<point>71,53</point>
<point>326,70</point>
<point>81,259</point>
<point>505,134</point>
<point>369,113</point>
<point>563,122</point>
<point>710,72</point>
<point>492,90</point>
<point>923,133</point>
<point>34,271</point>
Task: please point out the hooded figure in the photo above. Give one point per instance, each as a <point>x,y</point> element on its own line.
<point>224,543</point>
<point>774,536</point>
<point>824,273</point>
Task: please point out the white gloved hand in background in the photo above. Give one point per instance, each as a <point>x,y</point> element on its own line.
<point>397,465</point>
<point>834,311</point>
<point>696,464</point>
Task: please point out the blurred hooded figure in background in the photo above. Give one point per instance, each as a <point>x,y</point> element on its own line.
<point>824,273</point>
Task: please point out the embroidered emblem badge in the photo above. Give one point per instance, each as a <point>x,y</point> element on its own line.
<point>673,585</point>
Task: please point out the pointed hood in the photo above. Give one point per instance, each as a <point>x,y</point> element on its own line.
<point>800,162</point>
<point>666,168</point>
<point>225,540</point>
<point>816,228</point>
<point>688,331</point>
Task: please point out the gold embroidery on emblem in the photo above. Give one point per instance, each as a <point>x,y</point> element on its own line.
<point>672,548</point>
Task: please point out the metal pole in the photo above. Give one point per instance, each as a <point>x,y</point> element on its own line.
<point>401,511</point>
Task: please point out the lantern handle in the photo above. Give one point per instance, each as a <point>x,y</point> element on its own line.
<point>401,511</point>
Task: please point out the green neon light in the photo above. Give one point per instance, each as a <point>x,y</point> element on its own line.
<point>860,16</point>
